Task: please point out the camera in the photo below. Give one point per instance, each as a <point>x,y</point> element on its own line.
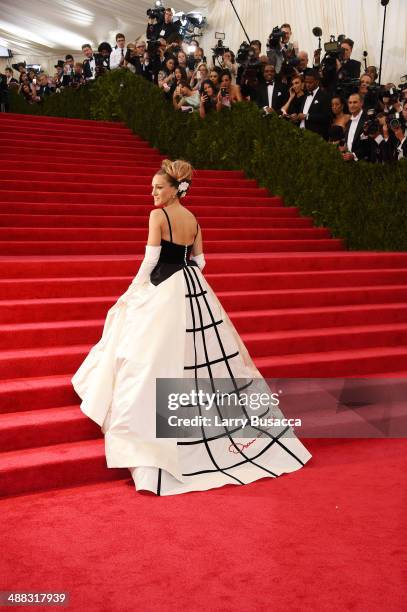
<point>275,38</point>
<point>219,49</point>
<point>223,92</point>
<point>156,13</point>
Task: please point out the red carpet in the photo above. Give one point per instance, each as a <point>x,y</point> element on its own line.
<point>74,205</point>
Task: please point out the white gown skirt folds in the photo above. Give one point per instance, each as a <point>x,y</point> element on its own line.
<point>176,329</point>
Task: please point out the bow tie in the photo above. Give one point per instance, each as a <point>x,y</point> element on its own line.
<point>309,93</point>
<point>269,83</point>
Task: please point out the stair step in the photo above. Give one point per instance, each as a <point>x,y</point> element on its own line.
<point>196,197</point>
<point>40,120</point>
<point>55,466</point>
<point>96,234</point>
<point>132,247</point>
<point>143,187</point>
<point>133,180</point>
<point>123,221</point>
<point>36,392</point>
<point>116,167</point>
<point>82,286</point>
<point>26,266</point>
<point>347,363</point>
<point>258,209</point>
<point>57,309</point>
<point>29,429</point>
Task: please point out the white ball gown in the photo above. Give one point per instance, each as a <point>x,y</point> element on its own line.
<point>170,324</point>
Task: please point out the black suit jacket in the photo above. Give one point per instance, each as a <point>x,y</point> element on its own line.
<point>360,144</point>
<point>141,68</point>
<point>319,113</point>
<point>350,69</point>
<point>280,95</point>
<point>87,70</point>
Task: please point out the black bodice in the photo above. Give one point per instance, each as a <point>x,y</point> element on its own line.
<point>173,257</point>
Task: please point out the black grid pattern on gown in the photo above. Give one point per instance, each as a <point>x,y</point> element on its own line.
<point>197,296</point>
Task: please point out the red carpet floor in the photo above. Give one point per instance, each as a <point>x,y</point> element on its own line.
<point>74,204</point>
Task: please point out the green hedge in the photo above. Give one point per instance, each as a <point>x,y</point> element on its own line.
<point>362,203</point>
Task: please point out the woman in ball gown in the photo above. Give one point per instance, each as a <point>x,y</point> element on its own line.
<point>169,324</point>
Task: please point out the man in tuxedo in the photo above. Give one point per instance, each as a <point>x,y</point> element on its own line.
<point>270,95</point>
<point>356,140</point>
<point>89,63</point>
<point>348,68</point>
<point>9,77</point>
<point>140,59</point>
<point>316,107</point>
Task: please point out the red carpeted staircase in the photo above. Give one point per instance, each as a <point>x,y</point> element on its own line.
<point>74,205</point>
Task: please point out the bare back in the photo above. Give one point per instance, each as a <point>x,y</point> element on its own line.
<point>184,228</point>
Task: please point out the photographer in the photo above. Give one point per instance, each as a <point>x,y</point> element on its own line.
<point>398,133</point>
<point>139,58</point>
<point>42,88</point>
<point>9,77</point>
<point>118,55</point>
<point>102,58</point>
<point>168,27</point>
<point>89,63</point>
<point>347,68</point>
<point>228,62</point>
<point>183,63</point>
<point>77,77</point>
<point>280,50</point>
<point>249,73</point>
<point>185,99</point>
<point>199,76</point>
<point>166,76</point>
<point>315,112</point>
<point>229,93</point>
<point>270,95</point>
<point>215,76</point>
<point>208,98</point>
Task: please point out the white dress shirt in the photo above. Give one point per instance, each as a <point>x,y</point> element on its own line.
<point>270,91</point>
<point>116,56</point>
<point>307,104</point>
<point>352,130</point>
<point>92,66</point>
<point>400,148</point>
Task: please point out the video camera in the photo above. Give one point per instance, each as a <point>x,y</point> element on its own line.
<point>219,49</point>
<point>275,38</point>
<point>156,13</point>
<point>246,54</point>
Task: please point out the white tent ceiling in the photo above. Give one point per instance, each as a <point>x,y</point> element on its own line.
<point>43,31</point>
<point>44,28</point>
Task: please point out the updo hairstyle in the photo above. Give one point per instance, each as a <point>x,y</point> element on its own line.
<point>176,171</point>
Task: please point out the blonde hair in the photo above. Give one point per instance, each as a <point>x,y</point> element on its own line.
<point>176,171</point>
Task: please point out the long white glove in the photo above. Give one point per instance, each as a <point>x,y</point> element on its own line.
<point>151,257</point>
<point>200,260</point>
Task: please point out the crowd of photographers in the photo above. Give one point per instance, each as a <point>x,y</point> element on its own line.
<point>328,95</point>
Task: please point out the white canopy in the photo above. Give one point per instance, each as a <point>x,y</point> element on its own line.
<point>43,31</point>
